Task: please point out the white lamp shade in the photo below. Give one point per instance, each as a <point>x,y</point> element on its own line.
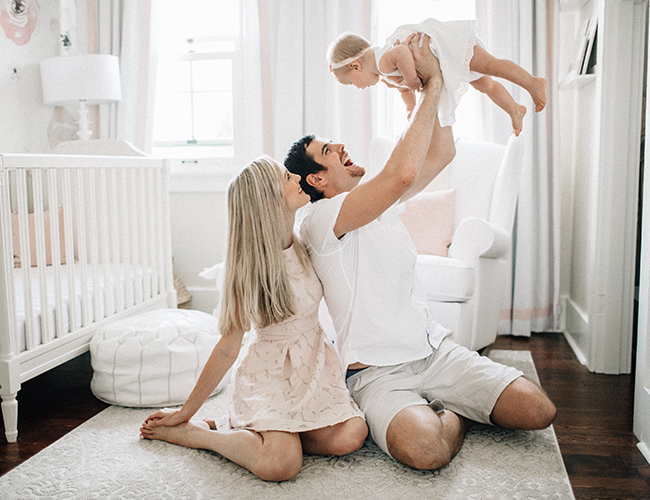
<point>93,78</point>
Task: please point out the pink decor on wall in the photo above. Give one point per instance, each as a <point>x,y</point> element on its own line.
<point>18,19</point>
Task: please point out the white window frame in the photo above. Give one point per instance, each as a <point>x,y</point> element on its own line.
<point>197,173</point>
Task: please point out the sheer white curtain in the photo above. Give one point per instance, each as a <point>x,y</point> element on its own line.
<point>300,95</point>
<point>519,30</point>
<point>125,29</point>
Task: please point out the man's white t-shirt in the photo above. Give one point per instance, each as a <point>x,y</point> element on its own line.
<point>371,288</point>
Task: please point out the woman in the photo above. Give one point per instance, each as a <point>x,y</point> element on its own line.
<point>287,394</point>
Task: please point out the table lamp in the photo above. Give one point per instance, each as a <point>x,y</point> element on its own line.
<point>81,80</point>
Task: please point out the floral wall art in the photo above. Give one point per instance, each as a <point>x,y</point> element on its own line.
<point>30,31</point>
<point>18,19</point>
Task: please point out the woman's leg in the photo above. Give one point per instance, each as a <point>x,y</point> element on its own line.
<point>338,439</point>
<point>485,63</point>
<point>502,98</point>
<point>272,456</point>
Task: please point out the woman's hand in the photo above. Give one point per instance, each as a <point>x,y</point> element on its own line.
<point>166,417</point>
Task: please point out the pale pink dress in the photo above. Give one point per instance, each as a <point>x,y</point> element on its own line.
<point>289,378</point>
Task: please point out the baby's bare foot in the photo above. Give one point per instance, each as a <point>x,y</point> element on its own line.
<point>188,434</point>
<point>538,93</point>
<point>517,118</point>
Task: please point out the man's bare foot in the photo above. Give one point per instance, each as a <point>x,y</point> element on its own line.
<point>189,434</point>
<point>538,93</point>
<point>517,118</point>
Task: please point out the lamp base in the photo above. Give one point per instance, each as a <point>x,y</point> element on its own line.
<point>84,131</point>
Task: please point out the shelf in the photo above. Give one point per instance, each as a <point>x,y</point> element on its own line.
<point>575,81</point>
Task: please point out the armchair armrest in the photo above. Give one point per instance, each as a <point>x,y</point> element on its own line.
<point>476,238</point>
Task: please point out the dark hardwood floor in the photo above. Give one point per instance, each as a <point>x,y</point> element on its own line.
<point>593,425</point>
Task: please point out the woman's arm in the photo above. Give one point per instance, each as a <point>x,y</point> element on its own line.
<point>222,358</point>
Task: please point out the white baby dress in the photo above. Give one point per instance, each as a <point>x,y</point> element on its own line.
<point>289,378</point>
<point>452,43</point>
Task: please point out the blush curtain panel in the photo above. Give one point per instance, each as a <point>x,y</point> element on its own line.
<point>125,29</point>
<point>518,30</point>
<point>300,95</point>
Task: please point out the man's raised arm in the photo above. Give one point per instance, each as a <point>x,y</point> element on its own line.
<point>368,201</point>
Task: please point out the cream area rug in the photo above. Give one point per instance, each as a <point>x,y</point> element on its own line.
<point>104,459</point>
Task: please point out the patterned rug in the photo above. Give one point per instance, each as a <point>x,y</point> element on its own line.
<point>104,459</point>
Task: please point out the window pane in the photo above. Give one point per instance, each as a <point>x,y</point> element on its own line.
<point>172,121</point>
<point>178,21</point>
<point>173,76</point>
<point>213,116</point>
<point>209,44</point>
<point>212,75</point>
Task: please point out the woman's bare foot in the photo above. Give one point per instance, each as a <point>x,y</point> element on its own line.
<point>517,118</point>
<point>538,93</point>
<point>189,434</point>
<point>211,423</point>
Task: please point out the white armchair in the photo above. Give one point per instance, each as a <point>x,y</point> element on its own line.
<point>465,289</point>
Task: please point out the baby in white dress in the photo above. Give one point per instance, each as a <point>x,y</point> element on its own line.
<point>463,59</point>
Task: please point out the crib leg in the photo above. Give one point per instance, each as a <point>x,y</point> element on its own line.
<point>10,416</point>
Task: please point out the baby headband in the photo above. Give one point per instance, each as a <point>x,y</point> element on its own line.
<point>347,61</point>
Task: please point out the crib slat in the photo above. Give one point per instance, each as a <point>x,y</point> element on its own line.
<point>126,247</point>
<point>39,226</point>
<point>135,225</point>
<point>82,244</point>
<point>104,222</point>
<point>118,274</point>
<point>118,289</point>
<point>94,252</point>
<point>167,270</point>
<point>69,249</point>
<point>8,343</point>
<point>26,258</point>
<point>159,231</point>
<point>151,235</point>
<point>55,238</point>
<point>144,223</point>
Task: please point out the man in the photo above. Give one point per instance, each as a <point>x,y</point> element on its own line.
<point>418,389</point>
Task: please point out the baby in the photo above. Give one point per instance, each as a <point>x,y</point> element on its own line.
<point>463,59</point>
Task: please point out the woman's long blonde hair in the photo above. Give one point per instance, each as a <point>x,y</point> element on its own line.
<point>256,288</point>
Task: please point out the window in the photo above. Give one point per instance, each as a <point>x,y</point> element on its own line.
<point>391,114</point>
<point>198,60</point>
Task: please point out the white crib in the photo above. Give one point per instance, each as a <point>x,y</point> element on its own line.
<point>91,235</point>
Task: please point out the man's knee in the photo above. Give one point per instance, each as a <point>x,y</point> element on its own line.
<point>414,437</point>
<point>523,405</point>
<point>427,454</point>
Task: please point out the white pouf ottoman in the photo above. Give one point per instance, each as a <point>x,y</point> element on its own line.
<point>153,359</point>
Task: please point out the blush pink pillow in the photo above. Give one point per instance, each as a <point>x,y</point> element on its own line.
<point>15,228</point>
<point>428,217</point>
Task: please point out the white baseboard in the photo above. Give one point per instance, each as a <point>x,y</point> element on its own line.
<point>645,451</point>
<point>576,329</point>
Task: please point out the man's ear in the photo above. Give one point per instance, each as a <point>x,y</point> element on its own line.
<point>315,180</point>
<point>355,65</point>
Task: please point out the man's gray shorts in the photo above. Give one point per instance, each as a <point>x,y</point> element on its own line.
<point>467,383</point>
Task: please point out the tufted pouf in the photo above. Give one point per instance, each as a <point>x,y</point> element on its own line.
<point>152,359</point>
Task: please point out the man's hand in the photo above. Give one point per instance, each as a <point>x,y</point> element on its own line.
<point>426,64</point>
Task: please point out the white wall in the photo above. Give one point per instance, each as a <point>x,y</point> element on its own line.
<point>25,120</point>
<point>198,241</point>
<point>599,141</point>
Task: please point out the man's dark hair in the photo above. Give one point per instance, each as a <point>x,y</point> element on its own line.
<point>299,162</point>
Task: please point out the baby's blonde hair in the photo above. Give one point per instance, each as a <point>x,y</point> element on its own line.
<point>346,45</point>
